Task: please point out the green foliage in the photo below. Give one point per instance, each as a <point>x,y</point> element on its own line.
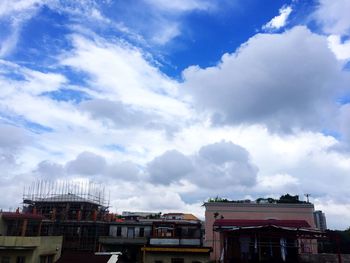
<point>266,200</point>
<point>284,199</point>
<point>217,199</point>
<point>289,199</point>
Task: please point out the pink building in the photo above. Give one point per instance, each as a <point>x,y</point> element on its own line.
<point>249,231</point>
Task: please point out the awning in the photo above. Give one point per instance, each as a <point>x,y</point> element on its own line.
<point>302,226</point>
<point>268,222</point>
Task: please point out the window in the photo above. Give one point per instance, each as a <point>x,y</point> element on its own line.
<point>5,259</point>
<point>21,259</point>
<point>119,231</point>
<point>46,259</point>
<point>177,260</point>
<point>142,232</point>
<point>131,232</point>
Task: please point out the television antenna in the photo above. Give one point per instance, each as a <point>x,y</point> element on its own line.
<point>307,197</point>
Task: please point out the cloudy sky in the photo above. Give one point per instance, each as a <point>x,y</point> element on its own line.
<point>168,103</point>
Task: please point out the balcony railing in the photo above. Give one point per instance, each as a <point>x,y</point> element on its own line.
<point>175,241</point>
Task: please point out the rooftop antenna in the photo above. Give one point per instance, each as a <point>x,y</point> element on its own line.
<point>307,197</point>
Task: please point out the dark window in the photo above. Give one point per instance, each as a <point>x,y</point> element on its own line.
<point>119,231</point>
<point>158,261</point>
<point>177,260</point>
<point>142,232</point>
<point>131,232</point>
<point>46,259</point>
<point>5,259</point>
<point>21,259</point>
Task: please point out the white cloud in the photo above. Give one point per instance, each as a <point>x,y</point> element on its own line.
<point>337,213</point>
<point>225,163</point>
<point>87,163</point>
<point>169,167</point>
<point>167,32</point>
<point>181,5</point>
<point>285,81</point>
<point>333,16</point>
<point>339,48</point>
<point>119,135</point>
<point>279,21</point>
<point>11,137</point>
<point>112,66</point>
<point>9,7</point>
<point>278,183</point>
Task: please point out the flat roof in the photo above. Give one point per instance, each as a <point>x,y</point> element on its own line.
<point>253,204</point>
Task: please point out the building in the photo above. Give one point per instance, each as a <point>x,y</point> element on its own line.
<point>320,220</point>
<point>176,241</point>
<point>20,240</point>
<point>128,237</point>
<point>180,216</point>
<point>77,212</point>
<point>245,231</point>
<point>149,237</point>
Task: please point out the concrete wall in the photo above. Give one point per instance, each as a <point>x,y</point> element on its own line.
<point>30,247</point>
<point>251,211</point>
<point>166,257</point>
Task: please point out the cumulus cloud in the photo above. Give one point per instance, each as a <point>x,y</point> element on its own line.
<point>284,81</point>
<point>340,49</point>
<point>333,16</point>
<point>279,21</point>
<point>86,163</point>
<point>50,170</point>
<point>169,167</point>
<point>89,165</point>
<point>217,166</point>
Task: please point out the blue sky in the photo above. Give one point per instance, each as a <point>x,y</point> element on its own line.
<point>171,102</point>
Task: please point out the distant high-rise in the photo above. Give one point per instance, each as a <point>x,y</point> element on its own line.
<point>320,220</point>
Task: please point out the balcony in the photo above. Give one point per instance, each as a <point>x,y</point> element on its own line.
<point>123,240</point>
<point>175,241</point>
<point>19,242</point>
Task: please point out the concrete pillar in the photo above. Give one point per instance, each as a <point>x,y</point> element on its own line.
<point>24,227</point>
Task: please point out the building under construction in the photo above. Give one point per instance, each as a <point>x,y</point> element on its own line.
<point>76,211</point>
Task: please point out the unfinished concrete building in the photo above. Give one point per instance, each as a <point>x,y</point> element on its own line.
<point>77,211</point>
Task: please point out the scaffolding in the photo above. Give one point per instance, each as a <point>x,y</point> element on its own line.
<point>76,210</point>
<point>65,191</point>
